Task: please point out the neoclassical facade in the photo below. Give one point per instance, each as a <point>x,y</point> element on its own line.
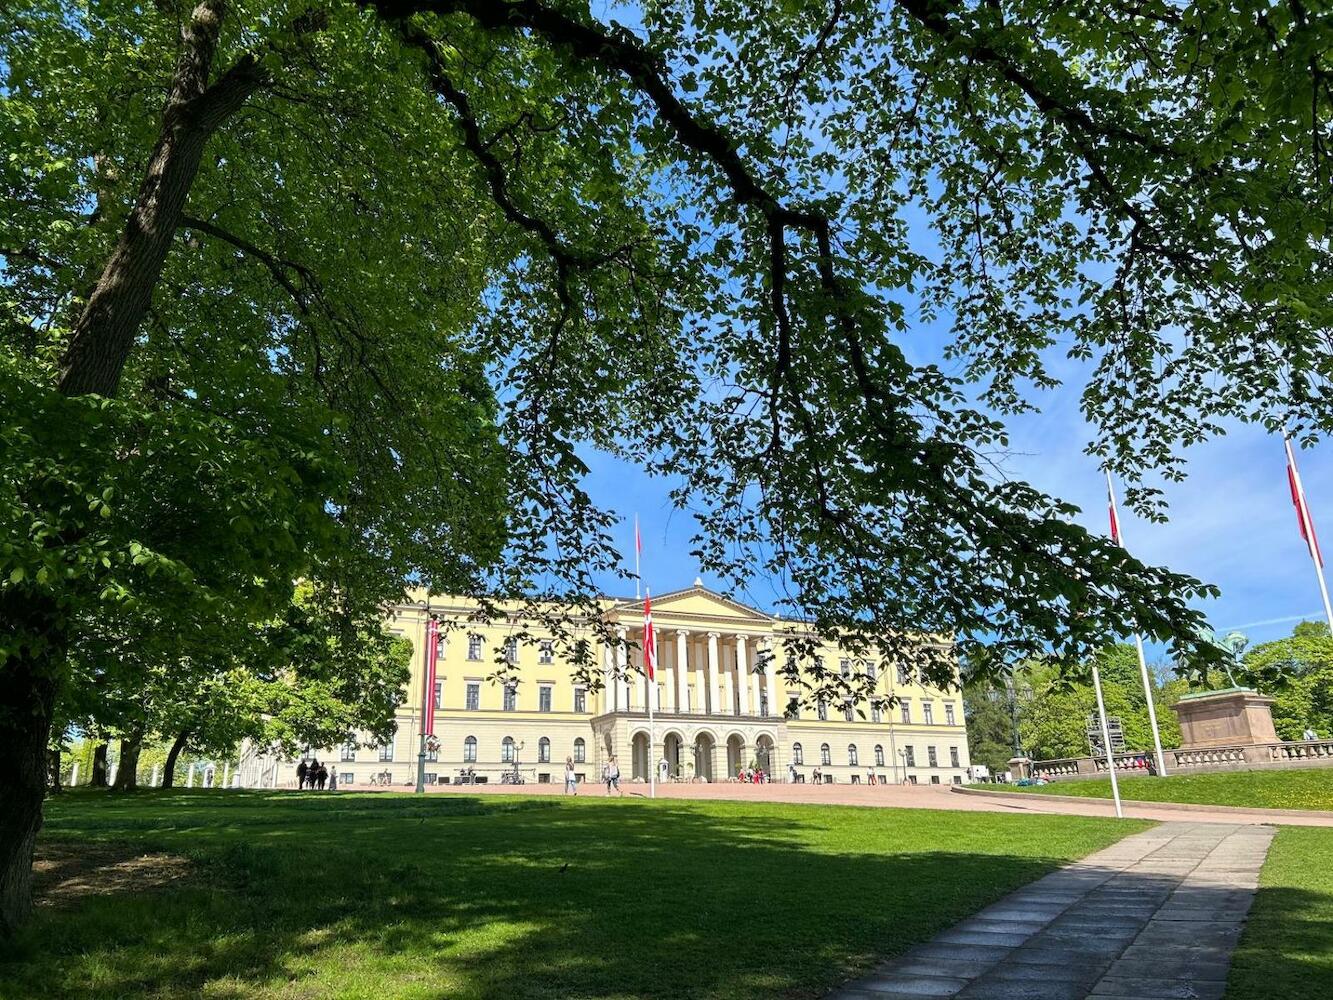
<point>718,705</point>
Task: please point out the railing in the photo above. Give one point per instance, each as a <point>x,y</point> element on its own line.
<point>1292,753</point>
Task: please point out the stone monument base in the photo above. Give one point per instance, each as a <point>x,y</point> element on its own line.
<point>1234,717</point>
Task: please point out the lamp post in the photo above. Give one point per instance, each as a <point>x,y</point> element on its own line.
<point>427,660</point>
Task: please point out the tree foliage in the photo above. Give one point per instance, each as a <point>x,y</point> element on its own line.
<point>1298,672</point>
<point>338,291</point>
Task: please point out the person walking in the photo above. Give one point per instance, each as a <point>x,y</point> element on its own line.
<point>322,777</point>
<point>301,771</point>
<point>333,781</point>
<point>613,777</point>
<point>571,779</point>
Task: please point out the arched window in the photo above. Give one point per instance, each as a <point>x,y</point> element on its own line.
<point>507,750</point>
<point>851,754</point>
<point>580,751</point>
<point>544,750</point>
<point>825,755</point>
<point>879,755</point>
<point>797,754</point>
<point>470,750</point>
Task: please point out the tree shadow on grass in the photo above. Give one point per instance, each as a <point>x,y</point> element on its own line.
<point>344,896</point>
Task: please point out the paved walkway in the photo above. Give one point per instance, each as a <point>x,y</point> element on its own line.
<point>893,796</point>
<point>1155,916</point>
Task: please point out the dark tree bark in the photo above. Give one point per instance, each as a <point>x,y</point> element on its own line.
<point>127,771</point>
<point>169,772</point>
<point>27,704</point>
<point>98,777</point>
<point>54,760</point>
<point>99,344</point>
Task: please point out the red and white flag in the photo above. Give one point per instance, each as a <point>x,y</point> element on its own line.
<point>1303,518</point>
<point>649,640</point>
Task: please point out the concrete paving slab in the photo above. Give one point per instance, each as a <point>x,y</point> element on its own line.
<point>1155,917</point>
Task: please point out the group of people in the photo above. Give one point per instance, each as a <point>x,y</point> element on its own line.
<point>751,776</point>
<point>315,775</point>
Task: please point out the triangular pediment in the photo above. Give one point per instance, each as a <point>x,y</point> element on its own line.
<point>695,603</point>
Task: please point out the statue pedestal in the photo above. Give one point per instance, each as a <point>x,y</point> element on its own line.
<point>1020,767</point>
<point>1235,717</point>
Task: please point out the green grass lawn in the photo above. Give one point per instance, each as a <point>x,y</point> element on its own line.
<point>360,896</point>
<point>1287,949</point>
<point>1305,789</point>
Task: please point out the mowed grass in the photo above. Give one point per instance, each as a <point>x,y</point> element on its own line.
<point>387,896</point>
<point>1287,949</point>
<point>1309,788</point>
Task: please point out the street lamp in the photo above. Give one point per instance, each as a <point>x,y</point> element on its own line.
<point>427,657</point>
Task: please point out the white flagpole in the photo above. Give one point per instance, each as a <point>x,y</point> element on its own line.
<point>637,594</point>
<point>1303,510</point>
<point>652,690</point>
<point>1106,740</point>
<point>1138,645</point>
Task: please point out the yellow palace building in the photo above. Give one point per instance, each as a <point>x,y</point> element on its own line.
<point>718,704</point>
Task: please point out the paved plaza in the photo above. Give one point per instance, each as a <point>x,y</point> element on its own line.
<point>1154,916</point>
<point>898,797</point>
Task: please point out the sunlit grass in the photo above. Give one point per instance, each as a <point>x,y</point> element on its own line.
<point>1287,948</point>
<point>1309,788</point>
<point>388,896</point>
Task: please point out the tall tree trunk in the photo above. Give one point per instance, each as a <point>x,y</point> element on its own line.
<point>104,332</point>
<point>127,771</point>
<point>53,765</point>
<point>28,677</point>
<point>169,772</point>
<point>99,345</point>
<point>98,777</point>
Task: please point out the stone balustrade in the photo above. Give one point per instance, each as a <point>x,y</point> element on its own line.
<point>1296,753</point>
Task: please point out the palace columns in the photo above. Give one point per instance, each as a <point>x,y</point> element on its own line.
<point>714,689</point>
<point>770,685</point>
<point>608,679</point>
<point>622,672</point>
<point>742,676</point>
<point>682,670</point>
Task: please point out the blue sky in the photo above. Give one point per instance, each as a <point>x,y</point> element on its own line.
<point>1232,522</point>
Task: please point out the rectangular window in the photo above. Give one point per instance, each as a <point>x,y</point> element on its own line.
<point>544,699</point>
<point>903,676</point>
<point>386,750</point>
<point>511,649</point>
<point>909,755</point>
<point>580,700</point>
<point>793,706</point>
<point>906,711</point>
<point>822,711</point>
<point>934,779</point>
<point>928,712</point>
<point>511,698</point>
<point>932,758</point>
<point>949,718</point>
<point>432,755</point>
<point>469,751</point>
<point>845,667</point>
<point>876,713</point>
<point>346,778</point>
<point>473,646</point>
<point>546,652</point>
<point>430,777</point>
<point>439,694</point>
<point>872,672</point>
<point>473,697</point>
<point>763,702</point>
<point>953,756</point>
<point>848,713</point>
<point>349,750</point>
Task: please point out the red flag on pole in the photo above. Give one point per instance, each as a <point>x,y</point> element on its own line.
<point>432,655</point>
<point>649,640</point>
<point>1115,523</point>
<point>1303,518</point>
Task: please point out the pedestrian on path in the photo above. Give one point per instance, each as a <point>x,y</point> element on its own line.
<point>571,779</point>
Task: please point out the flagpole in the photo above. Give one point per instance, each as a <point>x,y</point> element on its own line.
<point>1106,740</point>
<point>637,546</point>
<point>652,690</point>
<point>1138,645</point>
<point>1307,528</point>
